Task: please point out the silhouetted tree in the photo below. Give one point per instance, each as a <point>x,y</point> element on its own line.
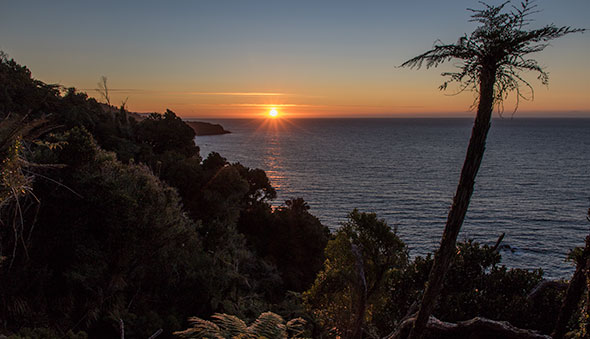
<point>167,132</point>
<point>295,243</point>
<point>20,94</point>
<point>103,90</point>
<point>492,57</point>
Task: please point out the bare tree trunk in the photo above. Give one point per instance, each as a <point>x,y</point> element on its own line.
<point>357,329</point>
<point>473,158</point>
<point>497,244</point>
<point>157,333</point>
<point>122,328</point>
<point>574,293</point>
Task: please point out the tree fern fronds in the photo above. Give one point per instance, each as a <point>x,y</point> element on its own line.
<point>268,325</point>
<point>200,329</point>
<point>230,325</point>
<point>296,327</point>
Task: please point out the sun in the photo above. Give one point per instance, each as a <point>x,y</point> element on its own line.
<point>273,113</point>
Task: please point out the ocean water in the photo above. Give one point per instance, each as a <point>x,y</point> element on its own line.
<point>533,185</point>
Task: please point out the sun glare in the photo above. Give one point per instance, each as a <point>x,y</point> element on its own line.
<point>273,113</point>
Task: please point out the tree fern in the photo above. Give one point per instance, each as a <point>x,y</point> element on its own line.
<point>268,325</point>
<point>16,178</point>
<point>491,61</point>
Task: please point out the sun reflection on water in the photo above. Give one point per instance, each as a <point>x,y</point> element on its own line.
<point>274,132</point>
<point>273,161</point>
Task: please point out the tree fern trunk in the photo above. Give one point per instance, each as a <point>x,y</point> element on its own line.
<point>475,151</point>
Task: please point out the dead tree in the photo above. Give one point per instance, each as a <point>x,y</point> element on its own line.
<point>103,90</point>
<point>473,328</point>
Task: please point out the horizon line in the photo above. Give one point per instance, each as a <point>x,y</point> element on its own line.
<point>496,117</point>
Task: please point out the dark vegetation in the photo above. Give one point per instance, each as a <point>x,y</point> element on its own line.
<point>111,225</point>
<point>106,218</point>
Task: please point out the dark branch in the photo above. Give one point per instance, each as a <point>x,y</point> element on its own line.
<point>473,328</point>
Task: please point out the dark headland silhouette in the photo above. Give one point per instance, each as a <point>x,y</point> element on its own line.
<point>200,127</point>
<point>206,128</point>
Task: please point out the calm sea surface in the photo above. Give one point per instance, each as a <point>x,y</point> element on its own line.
<point>534,183</point>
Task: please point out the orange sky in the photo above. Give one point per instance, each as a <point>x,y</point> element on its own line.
<point>375,93</point>
<point>306,58</point>
<point>567,95</point>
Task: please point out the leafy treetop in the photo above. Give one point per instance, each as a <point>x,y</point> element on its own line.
<point>501,45</point>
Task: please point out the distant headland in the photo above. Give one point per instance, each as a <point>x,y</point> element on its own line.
<point>205,128</point>
<point>200,127</point>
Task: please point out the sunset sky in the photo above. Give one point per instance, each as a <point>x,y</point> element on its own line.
<point>219,59</point>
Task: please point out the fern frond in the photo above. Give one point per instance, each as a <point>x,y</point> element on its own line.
<point>269,325</point>
<point>296,327</point>
<point>230,326</point>
<point>200,329</point>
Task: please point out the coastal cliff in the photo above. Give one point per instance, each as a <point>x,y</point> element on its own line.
<point>205,128</point>
<point>200,127</point>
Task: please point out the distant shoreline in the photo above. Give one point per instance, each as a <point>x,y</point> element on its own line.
<point>206,128</point>
<point>200,127</point>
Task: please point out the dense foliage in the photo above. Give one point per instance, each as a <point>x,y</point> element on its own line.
<point>109,219</point>
<point>351,288</point>
<point>386,286</point>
